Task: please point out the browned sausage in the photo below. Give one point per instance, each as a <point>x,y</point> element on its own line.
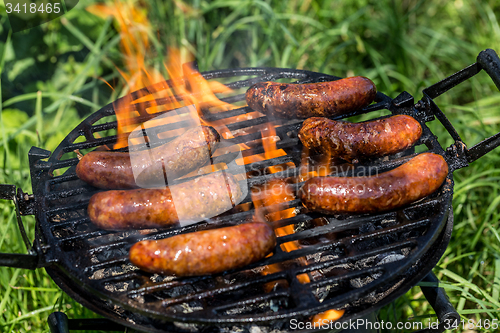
<point>195,200</point>
<point>360,140</point>
<point>415,179</point>
<point>205,252</point>
<point>114,170</point>
<point>323,99</point>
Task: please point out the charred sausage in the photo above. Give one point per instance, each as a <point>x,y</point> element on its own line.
<point>413,180</point>
<point>323,99</point>
<point>369,139</point>
<point>114,170</point>
<point>205,252</point>
<point>191,201</point>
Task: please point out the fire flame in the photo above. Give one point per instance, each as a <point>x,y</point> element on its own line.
<point>186,86</point>
<point>269,200</point>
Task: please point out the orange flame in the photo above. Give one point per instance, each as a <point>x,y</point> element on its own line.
<point>322,168</point>
<point>187,85</point>
<point>323,318</point>
<point>268,201</point>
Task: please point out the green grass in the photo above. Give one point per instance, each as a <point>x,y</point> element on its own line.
<point>51,79</point>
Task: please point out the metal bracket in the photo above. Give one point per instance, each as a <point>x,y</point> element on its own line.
<point>24,206</point>
<point>459,153</point>
<point>37,166</point>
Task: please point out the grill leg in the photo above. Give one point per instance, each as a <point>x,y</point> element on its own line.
<point>58,322</point>
<point>437,298</point>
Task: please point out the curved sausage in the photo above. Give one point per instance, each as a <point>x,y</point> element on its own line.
<point>205,252</point>
<point>413,180</point>
<point>323,99</point>
<point>360,140</point>
<point>191,201</point>
<point>114,170</point>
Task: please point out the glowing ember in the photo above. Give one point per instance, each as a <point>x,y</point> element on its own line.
<point>323,318</point>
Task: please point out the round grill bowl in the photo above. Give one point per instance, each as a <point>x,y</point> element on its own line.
<point>358,263</point>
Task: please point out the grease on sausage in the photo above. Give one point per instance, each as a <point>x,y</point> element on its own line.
<point>323,99</point>
<point>194,200</point>
<point>205,252</point>
<point>414,180</point>
<point>368,139</point>
<point>114,170</point>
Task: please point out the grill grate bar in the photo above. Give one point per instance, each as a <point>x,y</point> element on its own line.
<point>247,123</point>
<point>384,232</point>
<point>125,277</point>
<point>332,280</point>
<point>72,223</point>
<point>56,195</point>
<point>62,179</point>
<point>216,291</point>
<point>355,257</point>
<point>65,163</point>
<point>210,117</point>
<point>85,235</point>
<point>157,287</point>
<point>70,208</point>
<point>106,264</point>
<point>251,300</point>
<point>107,247</point>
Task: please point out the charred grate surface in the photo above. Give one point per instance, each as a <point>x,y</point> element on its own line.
<point>351,260</point>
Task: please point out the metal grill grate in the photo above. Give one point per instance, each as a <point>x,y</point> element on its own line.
<point>354,262</point>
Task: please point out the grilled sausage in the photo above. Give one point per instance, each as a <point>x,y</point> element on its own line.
<point>360,140</point>
<point>413,180</point>
<point>205,252</point>
<point>187,202</point>
<point>114,170</point>
<point>323,99</point>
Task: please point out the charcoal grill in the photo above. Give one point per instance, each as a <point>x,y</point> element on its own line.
<point>358,263</point>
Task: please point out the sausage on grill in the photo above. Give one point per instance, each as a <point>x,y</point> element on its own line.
<point>360,140</point>
<point>191,201</point>
<point>415,179</point>
<point>205,252</point>
<point>114,170</point>
<point>323,99</point>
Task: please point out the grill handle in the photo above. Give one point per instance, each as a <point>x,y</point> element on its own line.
<point>488,61</point>
<point>447,315</point>
<point>58,322</point>
<point>24,206</point>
